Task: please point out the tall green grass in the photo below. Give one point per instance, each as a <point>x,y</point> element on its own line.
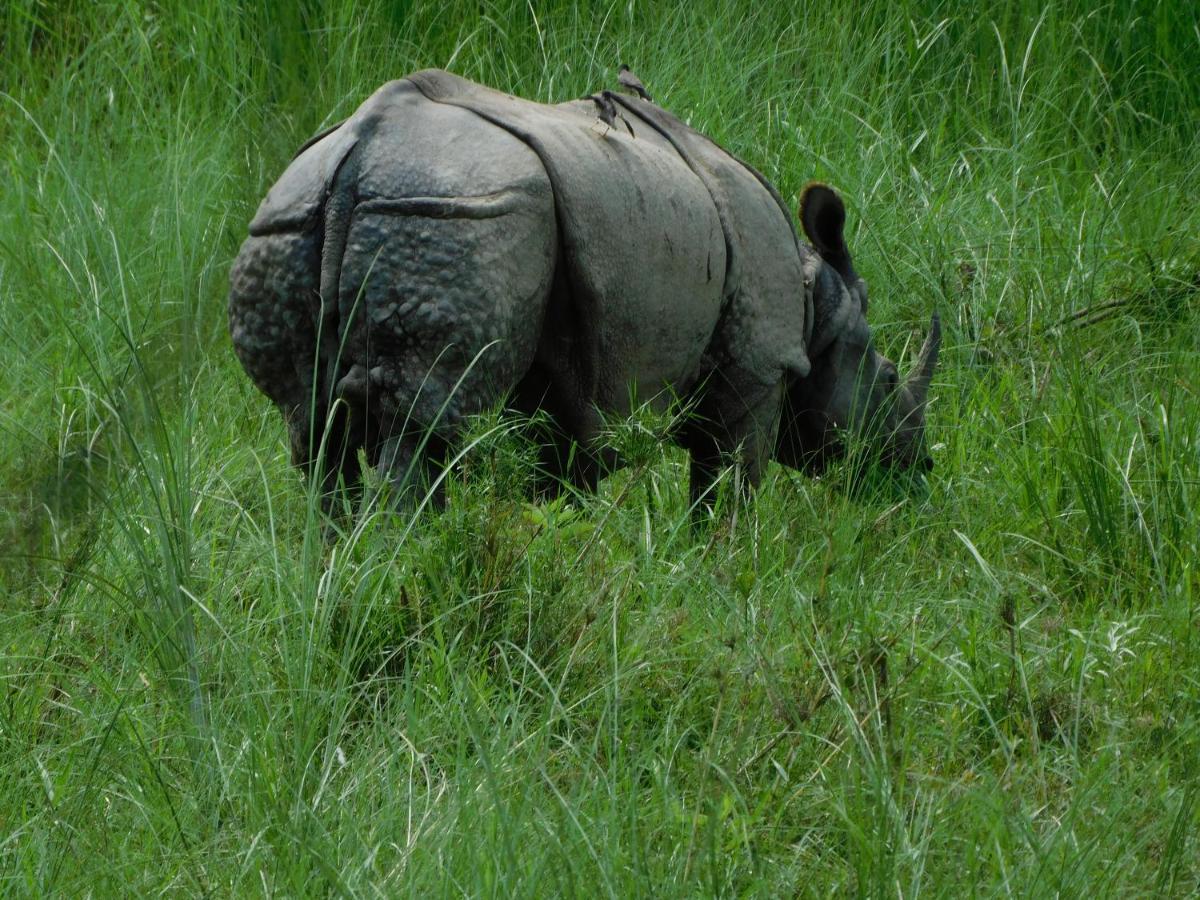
<point>987,685</point>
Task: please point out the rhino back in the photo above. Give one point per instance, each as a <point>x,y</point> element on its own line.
<point>641,246</point>
<point>403,219</point>
<point>767,322</point>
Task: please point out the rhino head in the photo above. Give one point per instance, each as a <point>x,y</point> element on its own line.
<point>852,391</point>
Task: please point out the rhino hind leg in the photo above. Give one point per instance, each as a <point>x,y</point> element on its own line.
<point>439,318</point>
<point>332,456</point>
<point>410,463</point>
<point>274,310</point>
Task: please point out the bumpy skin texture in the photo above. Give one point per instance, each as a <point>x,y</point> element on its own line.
<point>449,246</point>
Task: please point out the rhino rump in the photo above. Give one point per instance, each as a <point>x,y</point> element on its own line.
<point>435,314</point>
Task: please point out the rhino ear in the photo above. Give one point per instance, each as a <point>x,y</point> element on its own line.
<point>823,218</point>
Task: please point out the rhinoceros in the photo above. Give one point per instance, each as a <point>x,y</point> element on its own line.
<point>449,248</point>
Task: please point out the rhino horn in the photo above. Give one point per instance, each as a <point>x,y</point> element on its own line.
<point>918,379</point>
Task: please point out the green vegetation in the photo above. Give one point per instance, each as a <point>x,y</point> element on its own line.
<point>988,686</point>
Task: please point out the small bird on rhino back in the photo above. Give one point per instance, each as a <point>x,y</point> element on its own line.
<point>632,83</point>
<point>606,111</point>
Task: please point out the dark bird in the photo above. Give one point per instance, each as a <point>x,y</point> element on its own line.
<point>606,111</point>
<point>632,83</point>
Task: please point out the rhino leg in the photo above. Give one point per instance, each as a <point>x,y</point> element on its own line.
<point>728,428</point>
<point>563,462</point>
<point>440,317</point>
<point>411,462</point>
<point>328,454</point>
<point>564,441</point>
<point>274,311</point>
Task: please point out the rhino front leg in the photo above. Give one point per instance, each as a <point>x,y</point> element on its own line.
<point>717,440</point>
<point>562,463</point>
<point>563,430</point>
<point>705,467</point>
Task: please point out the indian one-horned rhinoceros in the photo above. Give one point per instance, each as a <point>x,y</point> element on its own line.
<point>449,246</point>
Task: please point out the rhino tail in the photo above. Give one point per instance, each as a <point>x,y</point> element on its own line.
<point>337,211</point>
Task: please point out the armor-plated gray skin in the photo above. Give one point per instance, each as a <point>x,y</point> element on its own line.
<point>449,246</point>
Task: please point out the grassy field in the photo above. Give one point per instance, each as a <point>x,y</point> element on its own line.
<point>987,685</point>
